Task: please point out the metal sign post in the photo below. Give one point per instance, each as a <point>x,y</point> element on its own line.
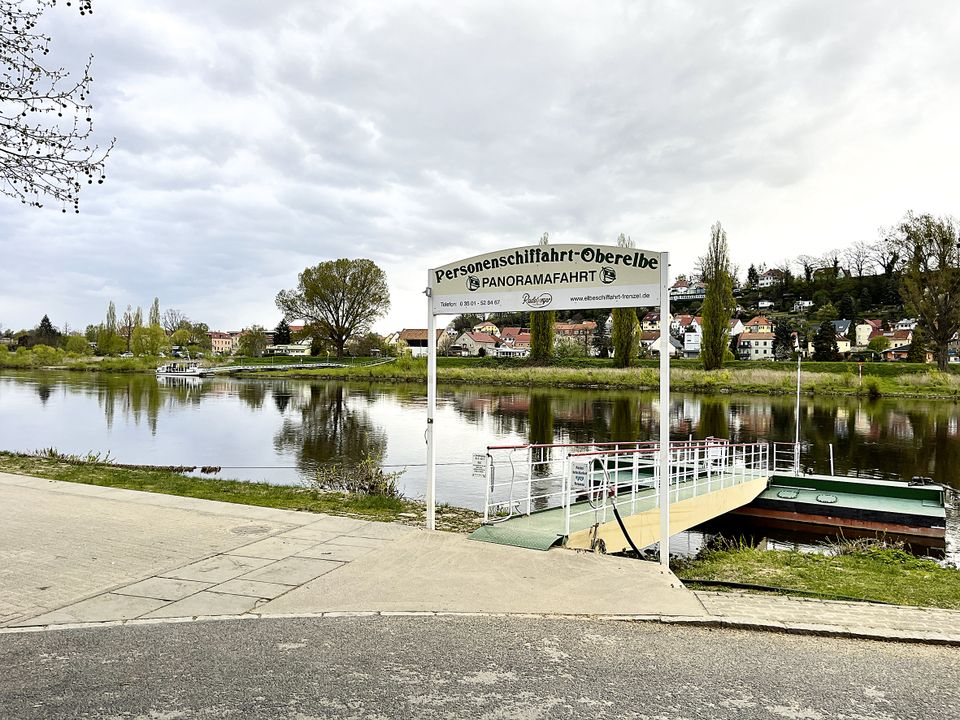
<point>553,277</point>
<point>664,410</point>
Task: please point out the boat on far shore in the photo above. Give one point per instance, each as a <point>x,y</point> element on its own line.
<point>182,368</point>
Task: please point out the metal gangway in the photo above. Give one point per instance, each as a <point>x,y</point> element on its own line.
<point>538,495</point>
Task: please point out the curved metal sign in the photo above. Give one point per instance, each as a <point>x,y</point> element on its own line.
<point>546,277</point>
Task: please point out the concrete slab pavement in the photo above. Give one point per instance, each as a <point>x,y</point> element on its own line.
<point>442,572</point>
<point>75,554</point>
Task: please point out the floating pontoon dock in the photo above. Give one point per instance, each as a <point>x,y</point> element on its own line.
<point>538,496</point>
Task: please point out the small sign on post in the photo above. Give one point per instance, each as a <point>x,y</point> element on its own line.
<point>479,465</point>
<point>580,472</point>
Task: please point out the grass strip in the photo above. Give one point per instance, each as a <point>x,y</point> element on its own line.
<point>872,572</point>
<point>283,497</point>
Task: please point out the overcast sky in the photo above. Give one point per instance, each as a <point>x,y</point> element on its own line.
<point>256,138</point>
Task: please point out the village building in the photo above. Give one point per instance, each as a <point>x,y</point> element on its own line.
<point>755,345</point>
<point>416,340</point>
<point>650,339</point>
<point>486,327</point>
<point>759,324</point>
<point>770,278</point>
<point>477,343</point>
<point>222,343</point>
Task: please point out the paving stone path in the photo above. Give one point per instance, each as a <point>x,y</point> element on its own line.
<point>236,582</point>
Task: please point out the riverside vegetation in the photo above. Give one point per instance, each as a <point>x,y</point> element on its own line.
<point>757,377</point>
<point>864,570</point>
<point>362,490</point>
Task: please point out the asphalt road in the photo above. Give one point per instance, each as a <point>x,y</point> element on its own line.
<point>481,667</point>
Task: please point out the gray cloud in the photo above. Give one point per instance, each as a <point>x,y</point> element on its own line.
<point>256,138</point>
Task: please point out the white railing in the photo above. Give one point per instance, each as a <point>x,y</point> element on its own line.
<point>631,478</point>
<point>786,458</point>
<point>521,479</point>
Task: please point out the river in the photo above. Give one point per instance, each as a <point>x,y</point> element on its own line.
<point>281,430</point>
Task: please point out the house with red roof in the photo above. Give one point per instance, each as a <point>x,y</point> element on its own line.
<point>477,343</point>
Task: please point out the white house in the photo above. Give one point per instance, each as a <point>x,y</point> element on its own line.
<point>770,278</point>
<point>765,304</point>
<point>651,340</point>
<point>475,342</point>
<point>801,305</point>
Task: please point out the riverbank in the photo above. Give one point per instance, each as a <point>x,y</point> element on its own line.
<point>904,380</point>
<point>840,379</point>
<point>871,572</point>
<point>173,481</point>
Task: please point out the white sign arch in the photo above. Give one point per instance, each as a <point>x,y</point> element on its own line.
<point>553,277</point>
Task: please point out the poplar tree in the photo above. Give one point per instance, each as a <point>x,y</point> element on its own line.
<point>541,328</point>
<point>154,319</point>
<point>718,305</point>
<point>624,333</point>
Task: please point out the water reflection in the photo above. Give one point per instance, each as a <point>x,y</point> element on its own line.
<point>304,424</point>
<point>328,423</point>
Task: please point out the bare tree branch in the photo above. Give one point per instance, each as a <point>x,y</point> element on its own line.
<point>46,117</point>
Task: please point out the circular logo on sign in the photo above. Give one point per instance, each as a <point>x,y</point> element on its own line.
<point>608,275</point>
<point>473,283</point>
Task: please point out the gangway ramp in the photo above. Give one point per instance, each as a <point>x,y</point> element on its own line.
<point>538,496</point>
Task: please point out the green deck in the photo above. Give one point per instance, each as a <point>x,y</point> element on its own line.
<point>882,489</point>
<point>857,495</point>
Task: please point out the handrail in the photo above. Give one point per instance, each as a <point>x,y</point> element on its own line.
<point>672,448</point>
<point>523,479</point>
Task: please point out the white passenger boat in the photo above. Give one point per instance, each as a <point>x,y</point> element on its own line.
<point>181,368</point>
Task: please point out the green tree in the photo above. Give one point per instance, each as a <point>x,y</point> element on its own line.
<point>878,344</point>
<point>126,325</point>
<point>78,345</point>
<point>566,348</point>
<point>281,334</point>
<point>719,303</point>
<point>782,341</point>
<point>466,322</point>
<point>601,340</point>
<point>825,343</point>
<point>200,337</point>
<point>541,328</point>
<point>847,308</point>
<point>46,333</point>
<point>108,341</point>
<point>625,329</point>
<point>180,338</point>
<point>930,284</point>
<point>918,346</point>
<point>826,312</point>
<point>150,340</point>
<point>753,277</point>
<point>338,299</point>
<point>253,341</point>
<point>154,318</point>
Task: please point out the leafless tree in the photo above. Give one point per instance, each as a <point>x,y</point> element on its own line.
<point>174,320</point>
<point>887,251</point>
<point>859,257</point>
<point>809,264</point>
<point>833,260</point>
<point>46,125</point>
